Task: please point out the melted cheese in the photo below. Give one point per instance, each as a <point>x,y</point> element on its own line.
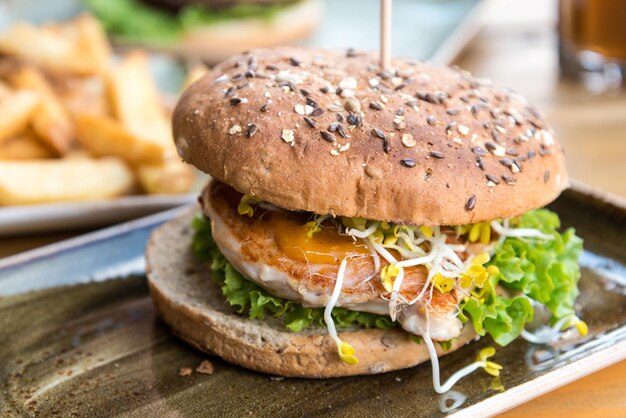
<point>324,247</point>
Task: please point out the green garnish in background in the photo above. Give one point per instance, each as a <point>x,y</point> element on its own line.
<point>133,20</point>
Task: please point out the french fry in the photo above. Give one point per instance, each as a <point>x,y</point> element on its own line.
<point>136,101</point>
<point>38,45</point>
<point>78,154</point>
<point>51,121</point>
<point>169,177</point>
<point>16,111</point>
<point>5,90</point>
<point>24,147</point>
<point>63,48</point>
<point>92,41</point>
<point>85,95</point>
<point>62,96</point>
<point>44,181</point>
<point>103,136</point>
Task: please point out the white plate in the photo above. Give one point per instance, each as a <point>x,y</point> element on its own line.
<point>66,216</point>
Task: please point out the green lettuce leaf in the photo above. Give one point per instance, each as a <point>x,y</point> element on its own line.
<point>257,303</point>
<point>546,271</point>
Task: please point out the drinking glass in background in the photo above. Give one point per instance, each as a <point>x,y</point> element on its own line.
<point>592,42</point>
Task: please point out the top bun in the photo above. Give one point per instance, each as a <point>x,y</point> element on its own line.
<point>329,132</point>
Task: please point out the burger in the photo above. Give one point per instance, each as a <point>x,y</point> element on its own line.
<point>210,30</point>
<point>362,220</point>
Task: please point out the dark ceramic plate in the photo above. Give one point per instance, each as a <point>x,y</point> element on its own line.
<point>84,340</point>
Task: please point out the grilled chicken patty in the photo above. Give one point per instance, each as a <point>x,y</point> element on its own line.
<point>272,249</point>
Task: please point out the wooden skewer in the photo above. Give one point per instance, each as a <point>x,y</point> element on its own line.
<point>385,34</point>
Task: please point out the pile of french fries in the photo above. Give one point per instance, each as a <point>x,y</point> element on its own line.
<point>77,123</point>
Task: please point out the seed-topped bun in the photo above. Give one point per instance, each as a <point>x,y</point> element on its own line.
<point>329,132</point>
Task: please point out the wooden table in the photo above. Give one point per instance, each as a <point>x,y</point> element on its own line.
<point>518,49</point>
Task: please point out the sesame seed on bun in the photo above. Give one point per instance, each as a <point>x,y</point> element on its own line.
<point>331,133</point>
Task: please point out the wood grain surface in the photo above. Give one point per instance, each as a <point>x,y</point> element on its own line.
<point>518,48</point>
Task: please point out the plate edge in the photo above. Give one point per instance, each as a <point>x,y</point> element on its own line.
<point>586,189</point>
<point>545,383</point>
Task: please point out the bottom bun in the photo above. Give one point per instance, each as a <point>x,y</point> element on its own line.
<point>193,306</point>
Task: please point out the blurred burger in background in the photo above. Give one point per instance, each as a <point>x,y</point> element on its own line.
<point>210,30</point>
